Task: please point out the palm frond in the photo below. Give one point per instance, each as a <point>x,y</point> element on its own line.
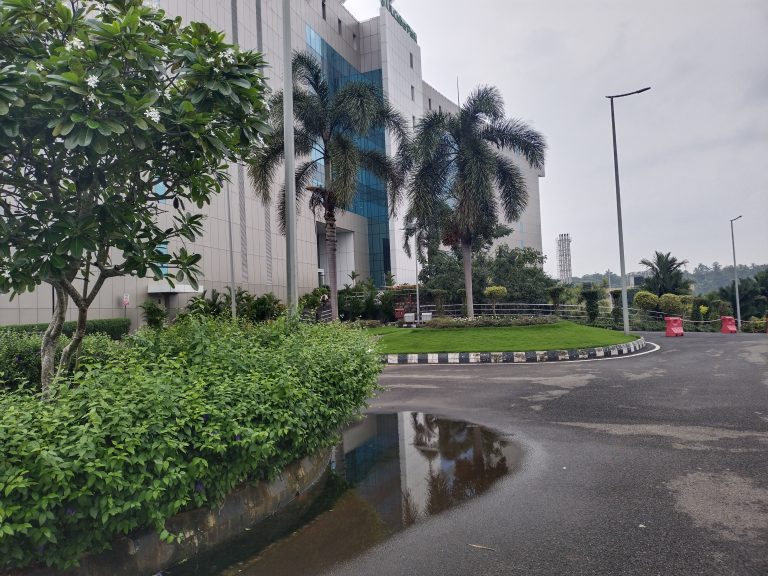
<point>303,177</point>
<point>344,164</point>
<point>264,164</point>
<point>518,136</point>
<point>308,73</point>
<point>355,108</point>
<point>511,185</point>
<point>483,102</point>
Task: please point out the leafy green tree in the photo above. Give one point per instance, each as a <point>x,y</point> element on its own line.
<point>459,179</point>
<point>328,127</point>
<point>753,295</point>
<point>666,275</point>
<point>114,121</point>
<point>520,271</point>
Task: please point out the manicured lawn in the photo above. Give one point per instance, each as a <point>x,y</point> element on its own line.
<point>560,336</point>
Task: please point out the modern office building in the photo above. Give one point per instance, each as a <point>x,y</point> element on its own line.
<point>382,50</point>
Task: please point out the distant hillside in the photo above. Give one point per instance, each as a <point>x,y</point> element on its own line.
<point>709,278</point>
<point>705,278</point>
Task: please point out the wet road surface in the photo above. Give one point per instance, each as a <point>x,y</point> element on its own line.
<point>654,464</point>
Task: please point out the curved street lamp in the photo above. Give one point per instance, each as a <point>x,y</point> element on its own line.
<point>624,305</point>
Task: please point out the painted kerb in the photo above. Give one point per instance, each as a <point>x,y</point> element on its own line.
<point>517,357</point>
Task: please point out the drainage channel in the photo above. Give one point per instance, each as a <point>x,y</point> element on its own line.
<point>389,472</point>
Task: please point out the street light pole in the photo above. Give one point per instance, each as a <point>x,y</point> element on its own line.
<point>624,304</point>
<point>416,256</point>
<point>736,276</point>
<point>290,183</point>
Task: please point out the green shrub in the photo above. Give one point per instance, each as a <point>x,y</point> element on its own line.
<point>312,300</point>
<point>754,325</point>
<point>591,298</point>
<point>671,305</point>
<point>154,314</point>
<point>20,356</point>
<point>115,328</point>
<point>645,300</point>
<point>175,422</point>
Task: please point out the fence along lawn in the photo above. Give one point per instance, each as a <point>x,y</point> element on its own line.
<point>560,336</point>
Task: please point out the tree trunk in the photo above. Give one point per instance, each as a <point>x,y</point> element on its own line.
<point>50,338</point>
<point>466,257</point>
<point>330,255</point>
<point>72,350</point>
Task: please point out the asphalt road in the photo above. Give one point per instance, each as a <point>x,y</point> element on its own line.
<point>649,464</point>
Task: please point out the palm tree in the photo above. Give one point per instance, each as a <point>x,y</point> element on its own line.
<point>459,178</point>
<point>666,275</point>
<point>328,128</point>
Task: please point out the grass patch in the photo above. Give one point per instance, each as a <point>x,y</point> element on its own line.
<point>560,336</point>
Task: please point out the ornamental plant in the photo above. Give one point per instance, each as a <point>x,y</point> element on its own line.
<point>671,305</point>
<point>495,294</point>
<point>646,301</point>
<point>116,127</point>
<point>173,422</point>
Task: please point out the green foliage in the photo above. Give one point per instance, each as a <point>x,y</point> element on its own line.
<point>754,325</point>
<point>92,97</point>
<point>671,305</point>
<point>591,297</point>
<point>175,422</point>
<point>495,294</point>
<point>646,301</point>
<point>311,301</point>
<point>20,356</point>
<point>555,294</point>
<point>753,295</point>
<point>520,271</point>
<point>708,279</point>
<point>216,305</point>
<point>115,328</point>
<point>666,275</point>
<point>154,313</point>
<point>117,126</point>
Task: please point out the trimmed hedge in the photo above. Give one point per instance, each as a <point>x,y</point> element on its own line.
<point>175,422</point>
<point>20,356</point>
<point>115,328</point>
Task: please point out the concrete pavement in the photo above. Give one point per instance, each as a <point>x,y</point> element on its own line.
<point>652,464</point>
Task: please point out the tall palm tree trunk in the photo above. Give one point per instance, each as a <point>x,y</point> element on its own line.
<point>330,254</point>
<point>466,257</point>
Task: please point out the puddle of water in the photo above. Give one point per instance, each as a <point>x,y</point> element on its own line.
<point>390,471</point>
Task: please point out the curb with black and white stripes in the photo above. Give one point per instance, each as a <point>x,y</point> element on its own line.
<point>517,357</point>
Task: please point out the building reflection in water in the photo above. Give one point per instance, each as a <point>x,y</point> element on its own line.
<point>412,465</point>
<point>393,470</point>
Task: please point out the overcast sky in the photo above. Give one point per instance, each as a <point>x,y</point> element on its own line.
<point>693,151</point>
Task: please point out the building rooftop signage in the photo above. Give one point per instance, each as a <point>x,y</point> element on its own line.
<point>400,20</point>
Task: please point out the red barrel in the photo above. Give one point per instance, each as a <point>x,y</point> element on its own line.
<point>674,326</point>
<point>728,325</point>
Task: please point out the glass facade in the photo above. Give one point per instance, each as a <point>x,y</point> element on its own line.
<point>371,199</point>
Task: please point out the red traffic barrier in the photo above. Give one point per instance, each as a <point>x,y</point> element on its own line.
<point>728,325</point>
<point>674,326</point>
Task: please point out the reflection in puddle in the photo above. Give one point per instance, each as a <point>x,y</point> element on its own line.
<point>392,471</point>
